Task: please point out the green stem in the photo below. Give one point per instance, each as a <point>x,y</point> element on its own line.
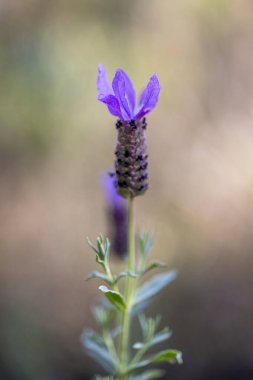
<point>124,344</point>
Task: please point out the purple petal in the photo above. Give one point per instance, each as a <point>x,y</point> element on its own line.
<point>112,103</point>
<point>103,84</point>
<point>119,86</point>
<point>149,97</point>
<point>130,92</point>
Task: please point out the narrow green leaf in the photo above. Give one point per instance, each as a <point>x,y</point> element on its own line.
<point>170,356</point>
<point>104,246</point>
<point>91,245</point>
<point>141,364</point>
<point>99,256</point>
<point>101,243</point>
<point>102,250</point>
<point>114,297</point>
<point>146,243</point>
<point>99,275</point>
<point>158,338</point>
<point>102,315</point>
<point>154,285</point>
<point>154,265</point>
<point>124,274</point>
<point>97,350</point>
<point>143,323</point>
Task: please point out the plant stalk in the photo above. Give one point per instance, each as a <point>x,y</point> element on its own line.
<point>126,319</point>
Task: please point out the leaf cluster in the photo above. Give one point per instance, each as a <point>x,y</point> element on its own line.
<point>104,347</point>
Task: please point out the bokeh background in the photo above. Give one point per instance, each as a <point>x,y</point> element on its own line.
<point>56,140</point>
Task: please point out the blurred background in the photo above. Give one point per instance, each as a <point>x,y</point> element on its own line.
<point>56,140</point>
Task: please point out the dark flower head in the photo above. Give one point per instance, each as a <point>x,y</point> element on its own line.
<point>121,99</point>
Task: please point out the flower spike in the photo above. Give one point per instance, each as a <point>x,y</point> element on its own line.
<point>131,175</point>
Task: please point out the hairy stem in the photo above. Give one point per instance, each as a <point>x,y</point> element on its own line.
<point>124,344</point>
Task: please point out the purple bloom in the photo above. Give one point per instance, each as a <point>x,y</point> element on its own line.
<point>121,99</point>
<point>117,215</point>
<point>113,199</point>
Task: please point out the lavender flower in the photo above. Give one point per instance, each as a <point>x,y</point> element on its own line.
<point>129,180</point>
<point>131,176</point>
<point>117,215</point>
